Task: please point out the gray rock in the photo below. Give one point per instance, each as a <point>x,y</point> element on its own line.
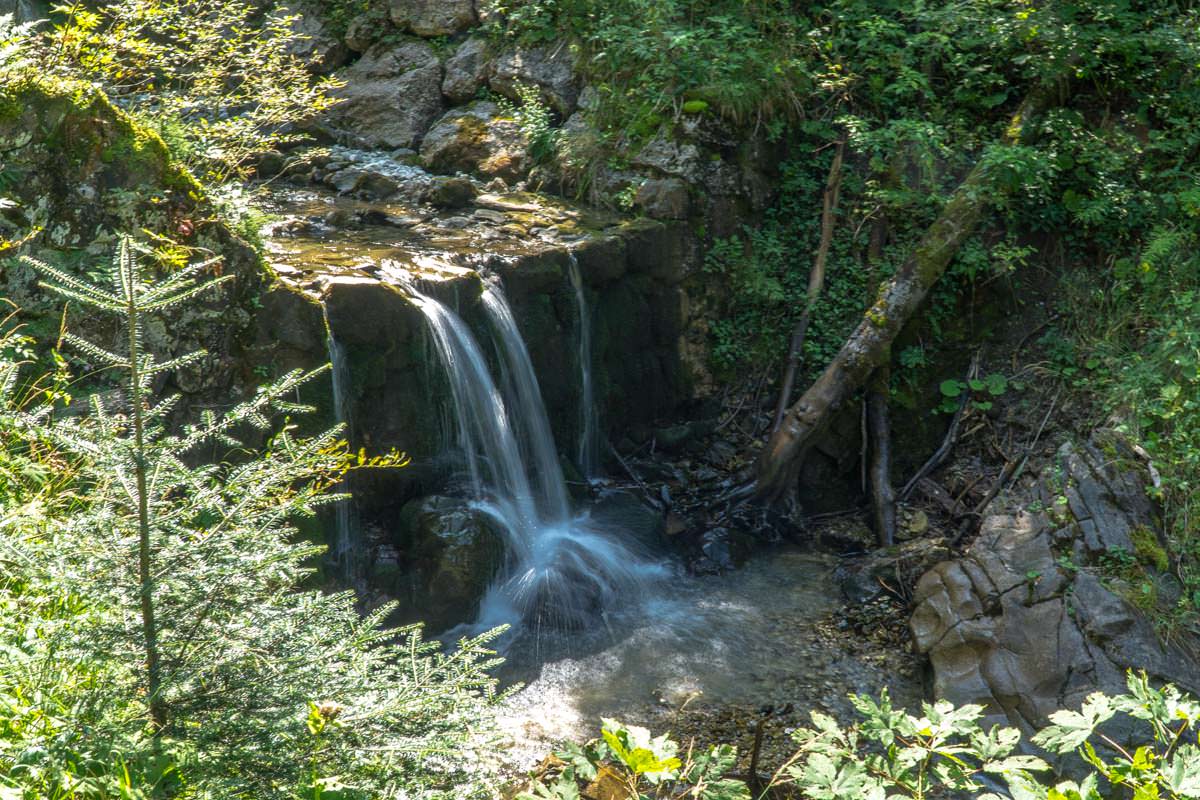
<point>361,33</point>
<point>466,70</point>
<point>391,96</point>
<point>451,553</point>
<point>320,52</point>
<point>478,140</point>
<point>665,198</point>
<point>433,17</point>
<point>1009,627</point>
<point>450,193</point>
<point>551,69</point>
<point>25,10</point>
<point>664,154</point>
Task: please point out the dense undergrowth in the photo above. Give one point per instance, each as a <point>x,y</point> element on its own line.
<point>1101,201</point>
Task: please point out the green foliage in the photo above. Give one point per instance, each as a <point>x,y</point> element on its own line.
<point>629,763</point>
<point>534,118</point>
<point>979,391</point>
<point>262,689</point>
<point>1166,767</point>
<point>650,58</point>
<point>216,80</point>
<point>892,753</point>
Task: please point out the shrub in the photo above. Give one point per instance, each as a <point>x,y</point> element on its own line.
<point>161,642</point>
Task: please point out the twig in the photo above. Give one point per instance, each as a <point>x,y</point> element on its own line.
<point>948,443</point>
<point>816,282</point>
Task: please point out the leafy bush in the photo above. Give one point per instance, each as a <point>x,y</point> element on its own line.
<point>891,754</point>
<point>157,640</point>
<point>216,80</point>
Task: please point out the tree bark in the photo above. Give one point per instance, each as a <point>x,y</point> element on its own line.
<point>883,496</point>
<point>869,345</point>
<point>816,282</point>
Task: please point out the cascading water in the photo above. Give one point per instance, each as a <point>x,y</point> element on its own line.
<point>589,428</point>
<point>345,546</point>
<point>561,570</point>
<point>525,399</point>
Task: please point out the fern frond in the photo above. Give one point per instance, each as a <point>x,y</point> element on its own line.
<point>96,352</point>
<point>184,295</point>
<point>67,284</point>
<point>155,368</point>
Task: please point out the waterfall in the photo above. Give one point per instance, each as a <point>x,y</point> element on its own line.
<point>562,570</point>
<point>589,428</point>
<point>525,399</point>
<point>345,545</point>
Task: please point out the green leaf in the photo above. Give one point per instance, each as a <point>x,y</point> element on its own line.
<point>952,387</point>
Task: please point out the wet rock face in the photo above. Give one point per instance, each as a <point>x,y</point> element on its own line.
<point>433,17</point>
<point>447,556</point>
<point>476,139</point>
<point>1035,616</point>
<point>391,97</point>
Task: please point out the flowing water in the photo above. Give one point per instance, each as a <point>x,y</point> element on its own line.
<point>721,645</point>
<point>589,424</point>
<point>563,570</point>
<point>346,545</point>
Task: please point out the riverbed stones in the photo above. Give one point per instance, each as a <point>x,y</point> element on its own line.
<point>391,97</point>
<point>476,139</point>
<point>1037,614</point>
<point>433,17</point>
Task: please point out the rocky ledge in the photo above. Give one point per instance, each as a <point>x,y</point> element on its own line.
<point>1056,597</point>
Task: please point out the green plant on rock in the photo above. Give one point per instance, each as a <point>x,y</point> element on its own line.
<point>892,753</point>
<point>1167,766</point>
<point>627,762</point>
<point>178,653</point>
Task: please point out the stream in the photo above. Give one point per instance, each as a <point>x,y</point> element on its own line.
<point>602,621</point>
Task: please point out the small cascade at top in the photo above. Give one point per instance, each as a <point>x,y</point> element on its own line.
<point>589,427</point>
<point>345,550</point>
<point>561,570</point>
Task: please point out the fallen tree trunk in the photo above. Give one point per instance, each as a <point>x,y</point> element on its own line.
<point>869,345</point>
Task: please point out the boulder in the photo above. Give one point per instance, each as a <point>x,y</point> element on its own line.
<point>476,139</point>
<point>320,52</point>
<point>550,69</point>
<point>391,96</point>
<point>665,198</point>
<point>448,556</point>
<point>466,71</point>
<point>433,17</point>
<point>670,157</point>
<point>450,192</point>
<point>1038,613</point>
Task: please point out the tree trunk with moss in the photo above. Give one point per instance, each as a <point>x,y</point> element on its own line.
<point>869,345</point>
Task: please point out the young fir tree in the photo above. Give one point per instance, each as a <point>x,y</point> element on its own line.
<point>251,687</point>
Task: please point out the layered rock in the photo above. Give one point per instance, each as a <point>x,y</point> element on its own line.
<point>1044,607</point>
